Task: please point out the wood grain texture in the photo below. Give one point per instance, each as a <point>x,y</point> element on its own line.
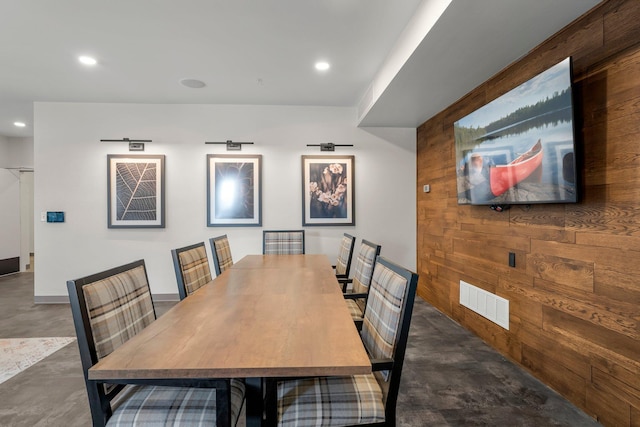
<point>574,293</point>
<point>555,374</point>
<point>607,408</point>
<point>277,315</point>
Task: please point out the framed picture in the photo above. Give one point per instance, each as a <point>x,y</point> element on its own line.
<point>328,196</point>
<point>234,188</point>
<point>135,191</point>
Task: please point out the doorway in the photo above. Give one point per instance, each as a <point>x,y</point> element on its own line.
<point>27,215</point>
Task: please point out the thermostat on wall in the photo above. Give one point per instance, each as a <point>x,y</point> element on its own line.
<point>55,216</point>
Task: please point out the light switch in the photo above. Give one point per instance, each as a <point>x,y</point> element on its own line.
<point>426,188</point>
<point>43,216</point>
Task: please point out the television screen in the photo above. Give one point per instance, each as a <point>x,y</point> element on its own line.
<point>520,148</point>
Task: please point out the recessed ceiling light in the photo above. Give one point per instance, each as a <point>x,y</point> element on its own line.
<point>192,83</point>
<point>87,60</point>
<point>19,124</point>
<point>322,66</point>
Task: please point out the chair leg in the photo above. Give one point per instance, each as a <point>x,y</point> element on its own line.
<point>255,402</point>
<point>223,406</point>
<point>98,404</point>
<point>271,402</point>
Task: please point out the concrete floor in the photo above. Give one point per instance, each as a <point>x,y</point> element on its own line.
<point>450,377</point>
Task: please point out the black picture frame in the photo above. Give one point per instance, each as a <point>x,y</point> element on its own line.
<point>234,190</point>
<point>135,191</point>
<point>328,190</point>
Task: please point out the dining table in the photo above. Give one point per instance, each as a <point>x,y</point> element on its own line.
<point>266,316</point>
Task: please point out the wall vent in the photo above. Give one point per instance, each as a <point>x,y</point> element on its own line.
<point>485,303</point>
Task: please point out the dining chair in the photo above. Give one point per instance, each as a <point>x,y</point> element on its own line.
<point>360,399</point>
<point>282,242</point>
<point>345,253</point>
<point>356,298</point>
<point>192,268</point>
<point>108,309</point>
<point>221,252</point>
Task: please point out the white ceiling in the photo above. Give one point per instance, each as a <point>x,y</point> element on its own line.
<point>261,52</point>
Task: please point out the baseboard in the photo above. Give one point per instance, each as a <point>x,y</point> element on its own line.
<point>166,297</point>
<point>51,299</point>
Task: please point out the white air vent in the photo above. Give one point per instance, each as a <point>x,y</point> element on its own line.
<point>485,303</point>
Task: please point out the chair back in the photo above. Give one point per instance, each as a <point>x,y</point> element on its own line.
<point>363,270</point>
<point>345,253</point>
<point>221,252</point>
<point>387,318</point>
<point>192,268</point>
<point>108,309</point>
<point>283,242</point>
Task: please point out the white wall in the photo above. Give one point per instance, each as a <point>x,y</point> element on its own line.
<point>20,152</point>
<point>17,154</point>
<point>9,214</point>
<point>9,201</point>
<point>20,155</point>
<point>71,176</point>
<point>4,152</point>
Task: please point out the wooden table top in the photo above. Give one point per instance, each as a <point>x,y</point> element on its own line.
<point>274,315</point>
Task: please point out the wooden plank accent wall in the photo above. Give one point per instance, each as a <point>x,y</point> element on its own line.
<point>575,290</point>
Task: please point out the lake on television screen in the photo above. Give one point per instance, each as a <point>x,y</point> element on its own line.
<point>520,147</point>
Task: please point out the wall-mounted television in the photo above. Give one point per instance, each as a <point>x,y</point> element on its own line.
<point>520,148</point>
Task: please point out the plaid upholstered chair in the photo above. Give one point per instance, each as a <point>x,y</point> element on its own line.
<point>360,399</point>
<point>221,252</point>
<point>356,299</point>
<point>345,253</point>
<point>111,307</point>
<point>283,242</point>
<point>192,268</point>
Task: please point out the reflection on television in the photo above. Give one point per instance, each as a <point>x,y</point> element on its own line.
<point>520,148</point>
